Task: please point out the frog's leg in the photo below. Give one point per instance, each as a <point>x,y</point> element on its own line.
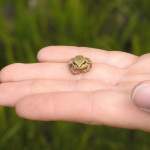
<point>74,71</point>
<point>87,69</point>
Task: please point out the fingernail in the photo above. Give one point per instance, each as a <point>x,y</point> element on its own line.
<point>141,97</point>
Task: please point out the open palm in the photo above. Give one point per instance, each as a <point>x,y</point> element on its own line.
<point>48,91</point>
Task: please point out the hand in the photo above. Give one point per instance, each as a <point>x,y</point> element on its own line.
<point>47,90</point>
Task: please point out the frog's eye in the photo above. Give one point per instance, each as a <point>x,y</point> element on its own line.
<point>84,62</point>
<point>74,63</point>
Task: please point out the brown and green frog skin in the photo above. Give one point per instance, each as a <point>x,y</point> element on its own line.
<point>80,64</point>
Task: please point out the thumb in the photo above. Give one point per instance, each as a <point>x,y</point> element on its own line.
<point>141,96</point>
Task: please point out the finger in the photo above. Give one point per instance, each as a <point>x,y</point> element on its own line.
<point>9,96</point>
<point>114,58</point>
<point>19,72</point>
<point>128,82</point>
<point>141,95</point>
<point>144,57</point>
<point>102,108</point>
<point>141,65</point>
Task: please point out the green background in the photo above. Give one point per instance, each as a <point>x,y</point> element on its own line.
<point>28,25</point>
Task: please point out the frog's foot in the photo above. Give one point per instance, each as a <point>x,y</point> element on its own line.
<point>75,72</point>
<point>87,69</point>
<point>84,70</point>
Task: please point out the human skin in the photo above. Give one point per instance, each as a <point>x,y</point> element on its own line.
<point>47,90</point>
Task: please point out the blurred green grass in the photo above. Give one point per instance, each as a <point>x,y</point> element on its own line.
<point>28,25</point>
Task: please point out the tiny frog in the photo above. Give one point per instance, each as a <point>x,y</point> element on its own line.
<point>80,64</point>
